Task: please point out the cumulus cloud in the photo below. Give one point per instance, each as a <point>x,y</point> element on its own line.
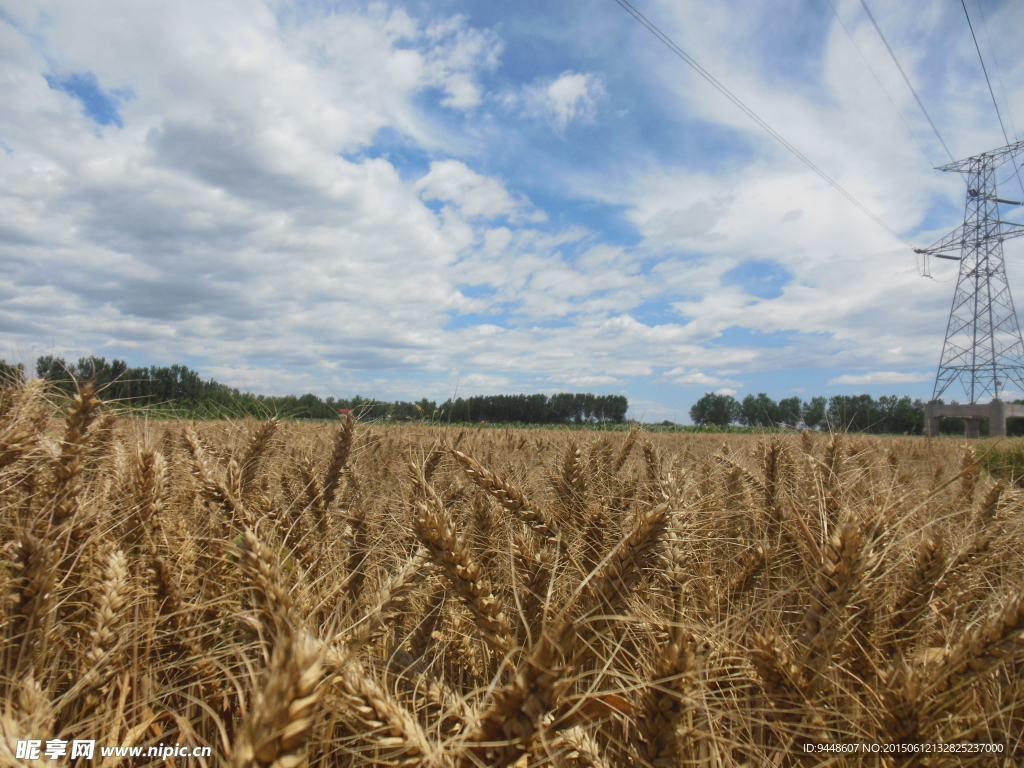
<point>459,54</point>
<point>312,196</point>
<point>852,300</point>
<point>571,96</point>
<point>222,205</point>
<point>583,381</point>
<point>646,410</point>
<point>686,376</point>
<point>475,195</point>
<point>881,377</point>
<point>479,383</point>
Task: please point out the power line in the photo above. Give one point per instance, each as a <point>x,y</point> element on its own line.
<point>692,63</point>
<point>990,91</point>
<point>878,80</point>
<point>907,79</point>
<point>999,76</point>
<point>985,70</point>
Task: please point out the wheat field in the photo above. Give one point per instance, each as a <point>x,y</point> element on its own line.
<point>353,594</point>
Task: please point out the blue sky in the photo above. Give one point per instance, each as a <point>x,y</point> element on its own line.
<point>412,199</point>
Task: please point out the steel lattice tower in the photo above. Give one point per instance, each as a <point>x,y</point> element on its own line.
<point>983,349</point>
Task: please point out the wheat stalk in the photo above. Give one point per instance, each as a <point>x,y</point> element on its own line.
<point>665,701</point>
<point>34,569</point>
<point>506,729</point>
<point>998,637</point>
<point>571,483</point>
<point>576,747</point>
<point>782,677</point>
<point>255,451</point>
<point>150,500</point>
<point>270,593</point>
<point>836,588</point>
<point>68,469</point>
<point>16,442</point>
<point>625,564</point>
<point>917,592</point>
<point>887,606</point>
<point>627,447</point>
<point>275,732</point>
<point>466,576</point>
<point>212,489</point>
<point>508,495</point>
<point>383,723</point>
<point>98,666</point>
<point>339,459</point>
<point>385,604</point>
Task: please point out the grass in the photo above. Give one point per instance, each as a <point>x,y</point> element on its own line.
<point>354,594</point>
<point>1005,460</point>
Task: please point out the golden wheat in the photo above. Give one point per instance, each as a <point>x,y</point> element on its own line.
<point>375,594</point>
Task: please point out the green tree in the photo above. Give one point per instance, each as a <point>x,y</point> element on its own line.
<point>900,415</point>
<point>759,411</point>
<point>11,374</point>
<point>616,408</point>
<point>853,413</point>
<point>790,411</point>
<point>813,412</point>
<point>427,408</point>
<point>55,370</point>
<point>715,409</point>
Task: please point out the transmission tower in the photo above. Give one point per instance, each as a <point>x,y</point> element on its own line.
<point>983,350</point>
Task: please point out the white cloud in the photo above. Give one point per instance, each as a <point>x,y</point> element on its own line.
<point>246,217</point>
<point>571,96</point>
<point>223,209</point>
<point>881,377</point>
<point>687,376</point>
<point>459,53</point>
<point>571,380</point>
<point>650,411</point>
<point>852,299</point>
<point>475,195</point>
<point>478,383</point>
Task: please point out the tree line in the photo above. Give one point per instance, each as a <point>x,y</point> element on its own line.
<point>180,388</point>
<point>561,408</point>
<point>889,414</point>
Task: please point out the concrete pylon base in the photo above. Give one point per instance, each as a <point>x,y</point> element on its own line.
<point>996,412</point>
